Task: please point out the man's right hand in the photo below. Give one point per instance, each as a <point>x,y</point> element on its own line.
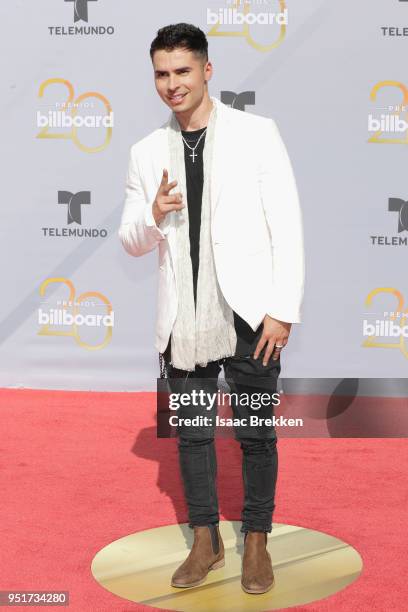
<point>163,202</point>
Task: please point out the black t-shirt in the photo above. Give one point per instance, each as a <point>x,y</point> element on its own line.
<point>194,185</point>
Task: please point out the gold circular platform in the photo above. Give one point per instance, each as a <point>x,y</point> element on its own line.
<point>308,565</point>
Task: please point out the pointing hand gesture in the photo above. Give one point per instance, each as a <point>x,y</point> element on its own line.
<point>165,203</point>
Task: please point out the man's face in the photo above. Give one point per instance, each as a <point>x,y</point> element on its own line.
<point>180,78</point>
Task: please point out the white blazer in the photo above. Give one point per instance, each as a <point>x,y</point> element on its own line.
<point>256,227</point>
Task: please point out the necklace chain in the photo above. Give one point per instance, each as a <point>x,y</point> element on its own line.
<point>193,155</point>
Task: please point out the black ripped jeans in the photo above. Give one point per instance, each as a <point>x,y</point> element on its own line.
<point>197,456</point>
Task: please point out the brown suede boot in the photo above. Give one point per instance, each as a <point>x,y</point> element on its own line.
<point>206,554</point>
<point>257,572</point>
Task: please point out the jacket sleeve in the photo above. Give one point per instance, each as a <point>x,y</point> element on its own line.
<point>284,217</point>
<point>138,231</point>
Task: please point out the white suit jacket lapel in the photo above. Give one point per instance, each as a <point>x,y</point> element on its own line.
<point>221,156</point>
<point>221,153</point>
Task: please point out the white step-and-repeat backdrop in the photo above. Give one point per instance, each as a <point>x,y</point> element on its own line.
<point>77,312</point>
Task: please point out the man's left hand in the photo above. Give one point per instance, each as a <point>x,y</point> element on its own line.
<point>274,333</point>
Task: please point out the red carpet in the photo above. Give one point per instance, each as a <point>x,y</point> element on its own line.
<point>82,469</point>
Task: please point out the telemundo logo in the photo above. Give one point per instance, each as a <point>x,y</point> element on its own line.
<point>80,14</point>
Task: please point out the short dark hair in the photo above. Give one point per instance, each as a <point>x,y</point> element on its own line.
<point>181,35</point>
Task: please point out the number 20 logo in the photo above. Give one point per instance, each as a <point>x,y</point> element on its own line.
<point>372,341</point>
<point>46,330</point>
<point>245,32</point>
<point>71,134</point>
<point>376,137</point>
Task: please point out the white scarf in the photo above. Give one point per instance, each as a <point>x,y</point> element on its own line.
<point>205,333</point>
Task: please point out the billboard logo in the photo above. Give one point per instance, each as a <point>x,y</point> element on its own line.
<point>59,316</point>
<point>384,329</point>
<point>225,17</point>
<point>395,120</point>
<point>230,16</point>
<point>69,121</point>
<point>81,317</point>
<point>386,123</point>
<point>389,331</point>
<point>63,119</point>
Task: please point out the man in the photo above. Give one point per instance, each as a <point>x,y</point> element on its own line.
<point>231,278</point>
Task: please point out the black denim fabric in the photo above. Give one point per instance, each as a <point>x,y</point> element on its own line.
<point>197,456</point>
